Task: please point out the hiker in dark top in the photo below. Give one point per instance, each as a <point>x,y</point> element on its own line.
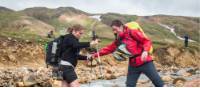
<point>186,40</point>
<point>70,56</point>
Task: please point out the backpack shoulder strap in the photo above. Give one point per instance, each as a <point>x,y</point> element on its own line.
<point>129,32</point>
<point>137,41</point>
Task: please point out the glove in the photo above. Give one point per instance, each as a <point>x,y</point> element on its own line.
<point>94,42</point>
<point>89,57</point>
<point>144,56</point>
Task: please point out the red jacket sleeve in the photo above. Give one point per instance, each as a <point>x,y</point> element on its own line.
<point>139,36</point>
<point>107,50</point>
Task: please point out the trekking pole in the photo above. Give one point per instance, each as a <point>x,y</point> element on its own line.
<point>94,37</point>
<point>100,63</point>
<point>91,70</point>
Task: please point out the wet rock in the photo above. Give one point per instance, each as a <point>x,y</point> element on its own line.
<point>56,83</point>
<point>20,84</point>
<point>181,72</point>
<point>179,81</point>
<point>167,78</point>
<point>187,74</point>
<point>29,83</point>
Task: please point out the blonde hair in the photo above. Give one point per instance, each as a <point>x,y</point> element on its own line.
<point>76,27</point>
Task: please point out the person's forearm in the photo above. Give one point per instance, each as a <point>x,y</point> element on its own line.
<point>81,45</point>
<point>81,57</point>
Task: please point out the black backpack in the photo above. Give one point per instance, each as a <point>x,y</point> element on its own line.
<point>54,51</point>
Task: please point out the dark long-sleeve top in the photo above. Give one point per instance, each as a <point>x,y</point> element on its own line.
<point>71,48</point>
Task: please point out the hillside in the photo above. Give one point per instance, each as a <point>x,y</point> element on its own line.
<point>18,25</point>
<point>4,9</point>
<point>182,25</point>
<point>63,17</point>
<point>50,15</point>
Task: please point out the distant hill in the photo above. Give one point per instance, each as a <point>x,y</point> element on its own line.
<point>46,14</point>
<point>40,20</point>
<point>108,17</point>
<point>4,9</point>
<point>18,25</point>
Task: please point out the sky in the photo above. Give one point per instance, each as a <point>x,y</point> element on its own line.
<point>133,7</point>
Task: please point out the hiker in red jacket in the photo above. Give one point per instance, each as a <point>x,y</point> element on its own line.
<point>138,46</point>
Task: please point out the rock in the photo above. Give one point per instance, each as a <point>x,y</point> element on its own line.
<point>94,63</point>
<point>109,71</point>
<point>20,84</point>
<point>11,57</point>
<point>167,78</point>
<point>29,83</point>
<point>179,81</point>
<point>192,70</point>
<point>187,74</point>
<point>27,41</point>
<point>197,72</point>
<point>4,44</point>
<point>113,76</point>
<point>107,76</point>
<point>181,72</point>
<point>56,83</point>
<point>9,38</point>
<point>173,51</point>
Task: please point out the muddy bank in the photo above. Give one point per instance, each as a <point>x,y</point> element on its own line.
<point>177,56</point>
<point>16,53</point>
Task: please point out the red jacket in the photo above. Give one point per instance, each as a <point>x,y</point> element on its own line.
<point>131,45</point>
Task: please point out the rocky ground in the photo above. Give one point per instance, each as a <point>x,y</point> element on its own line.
<point>22,64</point>
<point>42,76</point>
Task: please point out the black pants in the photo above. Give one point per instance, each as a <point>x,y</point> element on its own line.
<point>148,69</point>
<point>69,74</point>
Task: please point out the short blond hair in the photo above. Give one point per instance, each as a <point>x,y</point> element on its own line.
<point>76,27</point>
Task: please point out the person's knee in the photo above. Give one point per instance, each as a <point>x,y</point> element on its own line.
<point>74,84</point>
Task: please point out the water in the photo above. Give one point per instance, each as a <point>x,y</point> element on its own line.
<point>96,17</point>
<point>172,30</point>
<point>119,82</point>
<point>143,81</point>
